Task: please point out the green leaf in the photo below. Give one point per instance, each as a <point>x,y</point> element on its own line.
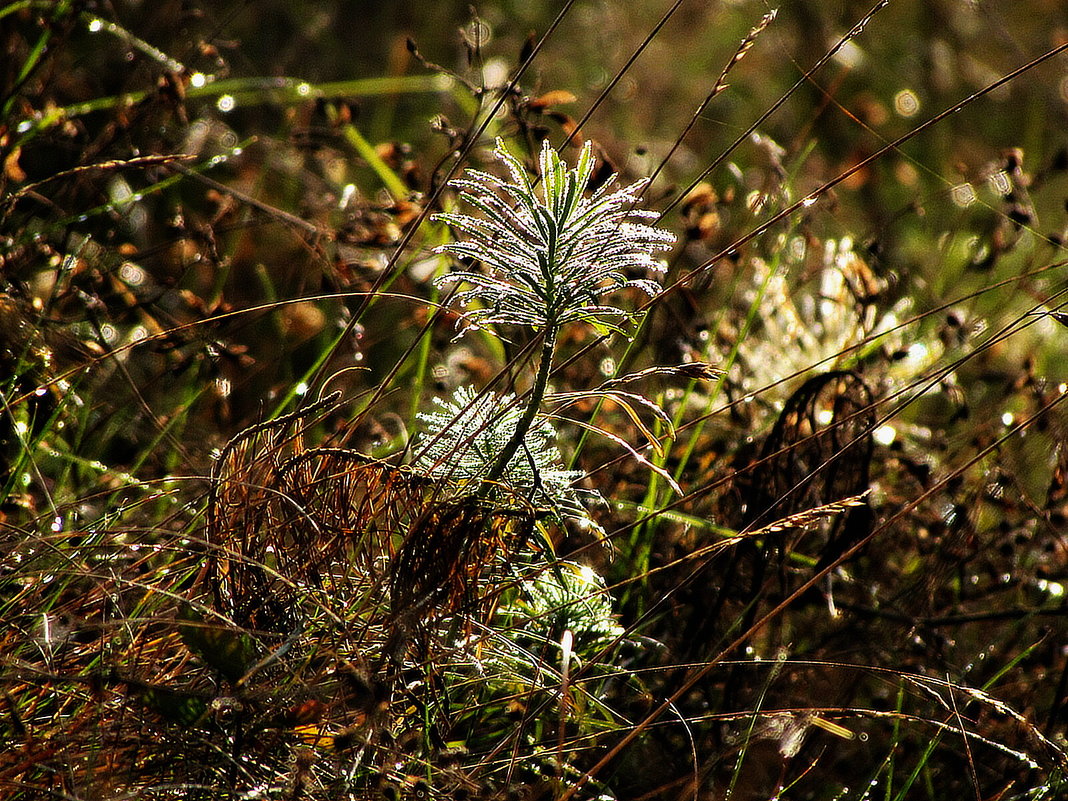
<point>176,706</point>
<point>230,651</point>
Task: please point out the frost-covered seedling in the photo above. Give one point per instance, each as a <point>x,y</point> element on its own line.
<point>471,431</point>
<point>572,598</point>
<point>550,252</point>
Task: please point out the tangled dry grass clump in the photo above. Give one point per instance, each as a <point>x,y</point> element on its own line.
<point>354,444</point>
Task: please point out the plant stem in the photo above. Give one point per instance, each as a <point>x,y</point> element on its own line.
<point>537,393</point>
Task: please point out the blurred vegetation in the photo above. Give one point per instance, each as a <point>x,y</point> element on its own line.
<point>220,336</point>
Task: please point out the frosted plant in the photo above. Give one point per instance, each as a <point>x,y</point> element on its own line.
<point>470,432</point>
<point>549,253</point>
<point>573,598</point>
<point>818,320</point>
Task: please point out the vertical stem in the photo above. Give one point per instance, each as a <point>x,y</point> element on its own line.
<point>537,393</point>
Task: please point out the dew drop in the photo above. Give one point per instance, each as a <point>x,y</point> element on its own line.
<point>885,435</point>
<point>963,195</point>
<point>131,274</point>
<point>906,103</point>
